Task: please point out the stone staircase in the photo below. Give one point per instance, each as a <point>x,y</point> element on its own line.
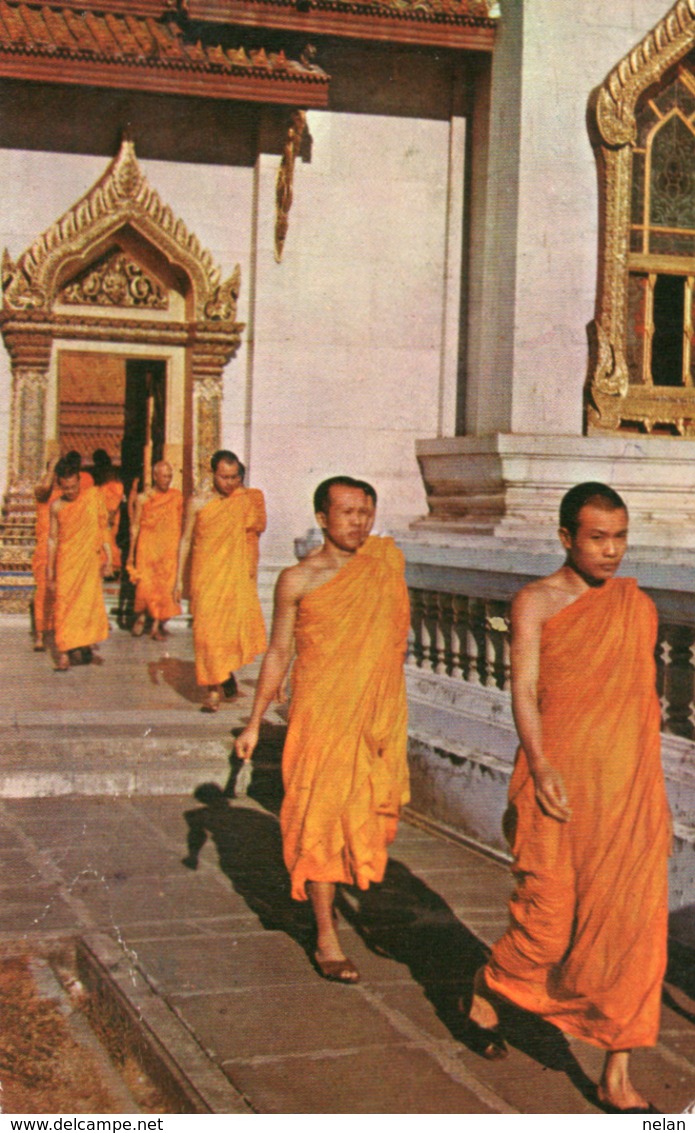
<point>17,523</point>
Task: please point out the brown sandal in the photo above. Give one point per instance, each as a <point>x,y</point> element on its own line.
<point>338,971</point>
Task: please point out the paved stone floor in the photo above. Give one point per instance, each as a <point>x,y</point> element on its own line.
<point>114,819</point>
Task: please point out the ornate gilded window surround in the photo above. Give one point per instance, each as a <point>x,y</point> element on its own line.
<point>612,403</point>
<point>122,211</point>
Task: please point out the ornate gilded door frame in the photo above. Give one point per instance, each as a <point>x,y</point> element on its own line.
<point>120,210</point>
<point>609,397</point>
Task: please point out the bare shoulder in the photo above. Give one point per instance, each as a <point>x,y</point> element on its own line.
<point>57,505</point>
<point>538,601</point>
<point>292,583</point>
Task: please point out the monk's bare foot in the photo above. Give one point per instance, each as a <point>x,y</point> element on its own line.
<point>615,1090</point>
<point>482,1011</point>
<point>63,663</point>
<point>39,646</point>
<point>212,701</point>
<point>138,626</point>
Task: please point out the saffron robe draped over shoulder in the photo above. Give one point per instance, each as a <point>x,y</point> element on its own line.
<point>384,547</point>
<point>344,762</point>
<point>258,521</point>
<point>156,554</point>
<point>43,605</point>
<point>228,627</point>
<point>113,492</point>
<point>586,945</point>
<point>80,614</point>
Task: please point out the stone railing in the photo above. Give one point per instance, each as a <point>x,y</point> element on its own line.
<point>467,636</point>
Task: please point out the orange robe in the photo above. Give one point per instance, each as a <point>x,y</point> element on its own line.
<point>43,606</point>
<point>80,614</point>
<point>228,628</point>
<point>586,944</point>
<point>258,525</point>
<point>156,553</point>
<point>384,547</point>
<point>113,492</point>
<point>344,763</point>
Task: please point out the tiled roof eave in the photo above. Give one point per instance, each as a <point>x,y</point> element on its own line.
<point>164,75</point>
<point>361,21</point>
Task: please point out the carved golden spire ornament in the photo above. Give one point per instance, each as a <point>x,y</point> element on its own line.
<point>285,178</point>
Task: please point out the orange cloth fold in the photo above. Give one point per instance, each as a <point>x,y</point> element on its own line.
<point>344,763</point>
<point>586,945</point>
<point>228,628</point>
<point>43,604</point>
<point>113,492</point>
<point>258,525</point>
<point>80,614</point>
<point>156,554</point>
<point>383,547</point>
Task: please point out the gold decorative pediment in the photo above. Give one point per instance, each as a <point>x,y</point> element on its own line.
<point>663,46</point>
<point>122,198</point>
<point>115,281</point>
<point>615,400</point>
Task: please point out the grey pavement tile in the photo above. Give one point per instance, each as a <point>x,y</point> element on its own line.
<point>17,869</point>
<point>668,1084</point>
<point>31,917</point>
<point>218,963</point>
<point>142,932</point>
<point>140,898</point>
<point>124,858</point>
<point>406,1080</point>
<point>308,1018</point>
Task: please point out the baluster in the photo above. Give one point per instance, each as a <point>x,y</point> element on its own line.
<point>415,651</point>
<point>507,661</point>
<point>429,631</point>
<point>441,634</point>
<point>475,641</point>
<point>489,645</point>
<point>458,621</point>
<point>679,681</point>
<point>663,661</point>
<point>497,627</point>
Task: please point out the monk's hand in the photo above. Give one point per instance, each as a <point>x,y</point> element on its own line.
<point>50,584</point>
<point>550,792</point>
<point>246,743</point>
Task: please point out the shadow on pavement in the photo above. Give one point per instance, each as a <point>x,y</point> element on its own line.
<point>402,918</point>
<point>179,675</point>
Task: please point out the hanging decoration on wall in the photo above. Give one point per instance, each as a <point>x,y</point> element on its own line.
<point>285,179</point>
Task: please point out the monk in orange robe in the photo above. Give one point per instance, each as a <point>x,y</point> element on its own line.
<point>253,534</point>
<point>45,492</point>
<point>228,627</point>
<point>78,533</point>
<point>588,819</point>
<point>113,492</point>
<point>344,762</point>
<point>155,532</point>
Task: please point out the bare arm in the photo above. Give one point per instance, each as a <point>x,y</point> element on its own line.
<point>185,545</point>
<point>276,661</point>
<point>105,519</point>
<point>527,625</point>
<point>52,545</point>
<point>42,490</point>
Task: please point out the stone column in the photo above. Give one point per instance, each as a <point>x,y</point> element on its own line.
<point>207,416</point>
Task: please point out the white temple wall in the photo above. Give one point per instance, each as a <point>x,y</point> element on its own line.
<point>535,275</point>
<point>347,359</point>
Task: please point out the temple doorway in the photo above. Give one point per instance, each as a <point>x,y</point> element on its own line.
<point>116,403</point>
